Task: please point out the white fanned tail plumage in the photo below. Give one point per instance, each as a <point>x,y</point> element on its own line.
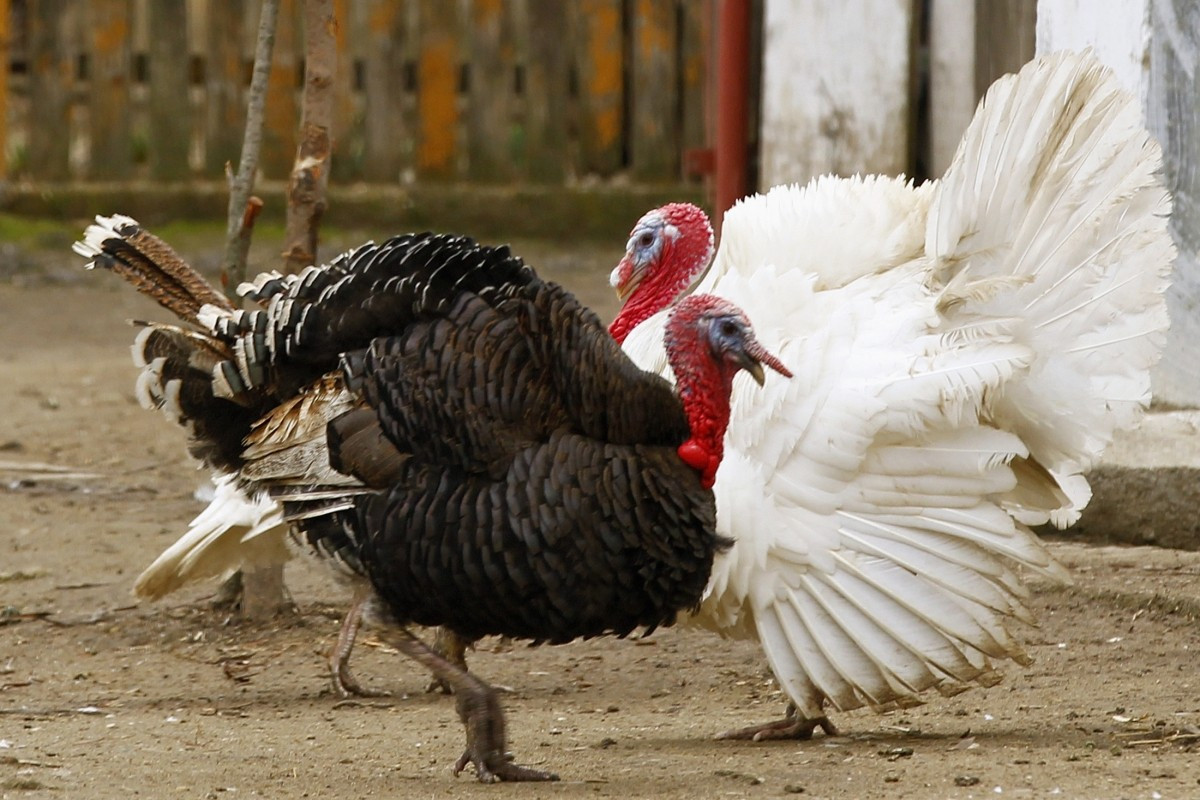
<point>963,352</point>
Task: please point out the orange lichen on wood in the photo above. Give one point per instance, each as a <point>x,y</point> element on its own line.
<point>109,34</point>
<point>437,101</point>
<point>604,74</point>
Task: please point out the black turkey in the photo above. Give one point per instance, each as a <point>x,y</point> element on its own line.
<point>494,463</point>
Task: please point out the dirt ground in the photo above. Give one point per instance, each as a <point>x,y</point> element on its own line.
<point>104,698</point>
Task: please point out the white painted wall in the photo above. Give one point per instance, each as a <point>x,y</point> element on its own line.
<point>835,88</point>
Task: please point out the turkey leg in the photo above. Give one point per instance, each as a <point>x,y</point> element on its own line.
<point>792,726</point>
<point>453,647</point>
<point>478,708</point>
<point>344,682</point>
<point>447,644</point>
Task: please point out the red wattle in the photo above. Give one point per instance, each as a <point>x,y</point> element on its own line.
<point>694,455</point>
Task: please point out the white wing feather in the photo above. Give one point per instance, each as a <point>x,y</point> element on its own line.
<point>961,352</point>
<point>232,532</point>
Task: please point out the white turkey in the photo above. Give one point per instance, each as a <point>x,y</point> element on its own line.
<point>964,351</point>
<point>486,457</point>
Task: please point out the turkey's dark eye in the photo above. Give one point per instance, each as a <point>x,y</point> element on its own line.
<point>729,328</point>
<point>646,239</point>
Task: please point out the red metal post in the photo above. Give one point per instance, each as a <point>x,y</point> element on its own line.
<point>733,39</point>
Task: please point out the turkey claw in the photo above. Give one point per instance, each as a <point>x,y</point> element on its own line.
<point>495,767</point>
<point>793,726</point>
<point>439,685</point>
<point>346,685</point>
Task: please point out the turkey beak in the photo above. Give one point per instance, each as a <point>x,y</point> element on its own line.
<point>625,289</point>
<point>754,356</point>
<point>756,371</point>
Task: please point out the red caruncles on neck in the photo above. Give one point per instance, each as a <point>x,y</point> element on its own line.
<point>703,383</point>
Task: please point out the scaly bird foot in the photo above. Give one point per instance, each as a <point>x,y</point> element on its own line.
<point>453,648</point>
<point>481,714</point>
<point>493,767</point>
<point>793,726</point>
<point>346,685</point>
<point>478,706</point>
<point>344,682</point>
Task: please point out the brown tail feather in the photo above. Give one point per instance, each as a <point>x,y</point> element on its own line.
<point>120,245</point>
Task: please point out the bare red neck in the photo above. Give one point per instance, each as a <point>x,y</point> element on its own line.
<point>642,305</point>
<point>703,385</point>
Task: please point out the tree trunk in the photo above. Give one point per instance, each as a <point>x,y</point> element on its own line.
<point>242,211</point>
<point>263,593</point>
<point>310,173</point>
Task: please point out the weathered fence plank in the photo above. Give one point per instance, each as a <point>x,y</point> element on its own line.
<point>835,88</point>
<point>282,115</point>
<point>50,76</point>
<point>696,39</point>
<point>1174,115</point>
<point>170,105</point>
<point>437,91</point>
<point>347,120</point>
<point>5,58</point>
<point>1004,38</point>
<point>225,77</point>
<point>493,143</point>
<point>110,74</point>
<point>546,114</point>
<point>600,65</point>
<point>387,135</point>
<point>952,96</point>
<point>654,139</point>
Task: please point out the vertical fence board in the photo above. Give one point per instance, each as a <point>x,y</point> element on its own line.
<point>281,115</point>
<point>1004,38</point>
<point>492,151</point>
<point>437,90</point>
<point>170,105</point>
<point>386,133</point>
<point>696,40</point>
<point>952,95</point>
<point>224,80</point>
<point>835,88</point>
<point>546,89</point>
<point>600,65</point>
<point>347,121</point>
<point>49,81</point>
<point>110,111</point>
<point>654,127</point>
<point>5,58</point>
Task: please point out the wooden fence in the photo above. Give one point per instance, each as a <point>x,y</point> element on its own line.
<point>542,91</point>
